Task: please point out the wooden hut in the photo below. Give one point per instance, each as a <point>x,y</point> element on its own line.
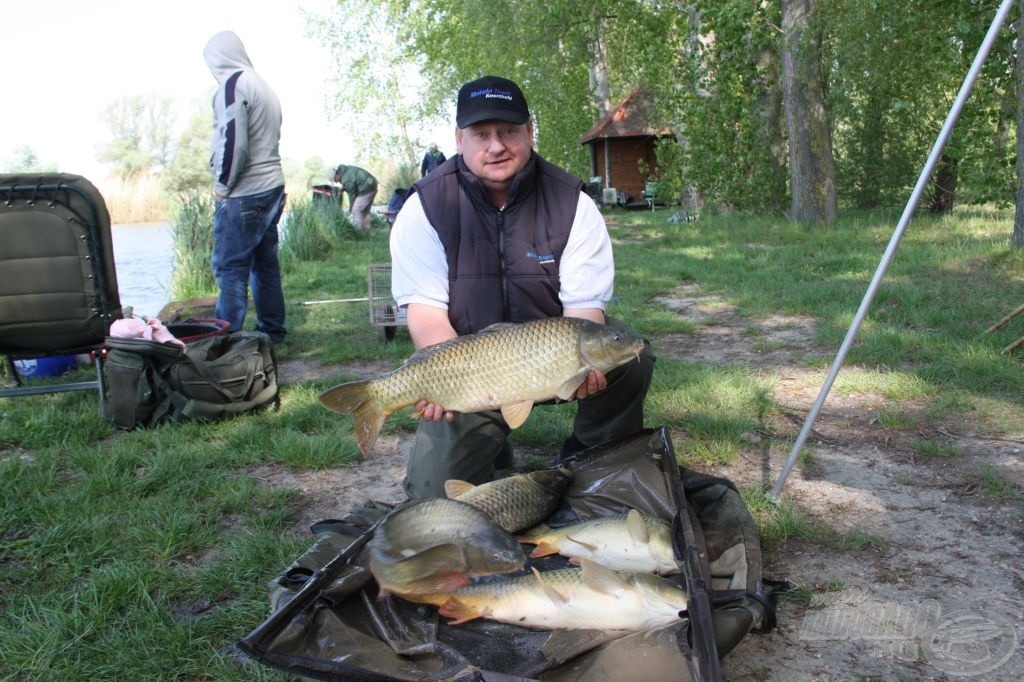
<point>622,146</point>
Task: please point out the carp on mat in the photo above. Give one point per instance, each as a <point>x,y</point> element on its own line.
<point>515,502</point>
<point>437,545</point>
<point>623,542</point>
<point>590,597</point>
<point>506,366</point>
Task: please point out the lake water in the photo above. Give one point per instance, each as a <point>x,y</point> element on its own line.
<point>144,255</point>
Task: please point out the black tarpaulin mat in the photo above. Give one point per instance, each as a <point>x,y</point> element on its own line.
<point>327,622</point>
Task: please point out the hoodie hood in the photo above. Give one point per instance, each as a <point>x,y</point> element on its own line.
<point>226,55</point>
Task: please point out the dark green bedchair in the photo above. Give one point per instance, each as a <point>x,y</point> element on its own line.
<point>58,284</point>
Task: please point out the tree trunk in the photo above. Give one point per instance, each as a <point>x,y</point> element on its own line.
<point>944,185</point>
<point>598,70</point>
<point>811,166</point>
<point>773,123</point>
<point>1018,219</point>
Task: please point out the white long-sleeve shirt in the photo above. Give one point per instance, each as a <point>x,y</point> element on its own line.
<point>419,267</point>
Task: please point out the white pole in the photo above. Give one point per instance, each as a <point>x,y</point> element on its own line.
<point>908,212</point>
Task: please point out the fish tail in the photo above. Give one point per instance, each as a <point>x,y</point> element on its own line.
<point>355,397</point>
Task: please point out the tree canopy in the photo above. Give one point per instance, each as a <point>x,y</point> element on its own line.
<point>889,74</point>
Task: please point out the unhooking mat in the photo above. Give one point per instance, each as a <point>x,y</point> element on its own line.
<point>326,622</point>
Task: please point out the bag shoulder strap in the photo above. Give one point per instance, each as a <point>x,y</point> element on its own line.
<point>163,351</point>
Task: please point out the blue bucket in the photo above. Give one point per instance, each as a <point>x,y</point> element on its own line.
<point>53,366</point>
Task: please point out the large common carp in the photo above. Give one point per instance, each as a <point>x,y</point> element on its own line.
<point>437,545</point>
<point>515,502</point>
<point>590,597</point>
<point>506,366</point>
<point>623,542</point>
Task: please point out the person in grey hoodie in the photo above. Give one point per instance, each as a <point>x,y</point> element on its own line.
<point>249,189</point>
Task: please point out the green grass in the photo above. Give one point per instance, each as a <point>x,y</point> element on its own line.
<point>146,555</point>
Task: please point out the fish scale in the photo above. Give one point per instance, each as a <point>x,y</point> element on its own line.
<point>507,367</point>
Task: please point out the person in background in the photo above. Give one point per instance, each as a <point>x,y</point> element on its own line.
<point>361,188</point>
<point>498,234</point>
<point>248,189</point>
<point>431,160</point>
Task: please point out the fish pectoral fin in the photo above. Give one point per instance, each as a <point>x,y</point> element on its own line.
<point>589,546</point>
<point>637,528</point>
<point>516,413</point>
<point>568,387</point>
<point>454,487</point>
<point>537,531</point>
<point>556,597</point>
<point>459,610</point>
<point>601,579</point>
<point>543,549</point>
<point>435,561</point>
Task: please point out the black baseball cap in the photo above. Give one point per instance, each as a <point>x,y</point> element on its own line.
<point>490,98</point>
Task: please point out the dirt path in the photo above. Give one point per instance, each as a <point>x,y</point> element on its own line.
<point>933,586</point>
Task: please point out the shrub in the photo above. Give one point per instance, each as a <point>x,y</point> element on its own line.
<point>192,231</point>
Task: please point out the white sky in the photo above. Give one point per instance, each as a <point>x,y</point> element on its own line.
<point>62,62</point>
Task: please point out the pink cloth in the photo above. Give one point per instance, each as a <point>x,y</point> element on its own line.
<point>150,330</point>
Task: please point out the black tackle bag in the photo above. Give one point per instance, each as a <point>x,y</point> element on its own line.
<point>327,623</point>
<point>149,383</point>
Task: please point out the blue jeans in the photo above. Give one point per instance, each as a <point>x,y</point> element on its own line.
<point>244,250</point>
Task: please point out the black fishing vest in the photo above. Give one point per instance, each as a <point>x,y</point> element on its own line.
<point>502,264</point>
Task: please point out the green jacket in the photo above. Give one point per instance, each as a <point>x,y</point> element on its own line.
<point>355,181</point>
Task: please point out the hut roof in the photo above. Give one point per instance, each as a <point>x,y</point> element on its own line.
<point>630,118</point>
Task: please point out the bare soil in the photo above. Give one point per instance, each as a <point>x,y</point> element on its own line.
<point>929,583</point>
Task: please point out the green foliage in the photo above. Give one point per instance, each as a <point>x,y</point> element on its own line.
<point>189,169</point>
<point>25,160</point>
<point>402,177</point>
<point>714,69</point>
<point>888,101</point>
<point>313,230</point>
<point>192,234</point>
<point>140,128</point>
<point>379,93</point>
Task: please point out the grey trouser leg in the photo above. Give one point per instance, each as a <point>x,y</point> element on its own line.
<point>464,449</point>
<point>619,409</point>
<point>360,211</point>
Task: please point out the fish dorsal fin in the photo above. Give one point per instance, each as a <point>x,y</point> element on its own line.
<point>516,413</point>
<point>497,327</point>
<point>430,351</point>
<point>637,528</point>
<point>568,387</point>
<point>554,595</point>
<point>601,579</point>
<point>454,488</point>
